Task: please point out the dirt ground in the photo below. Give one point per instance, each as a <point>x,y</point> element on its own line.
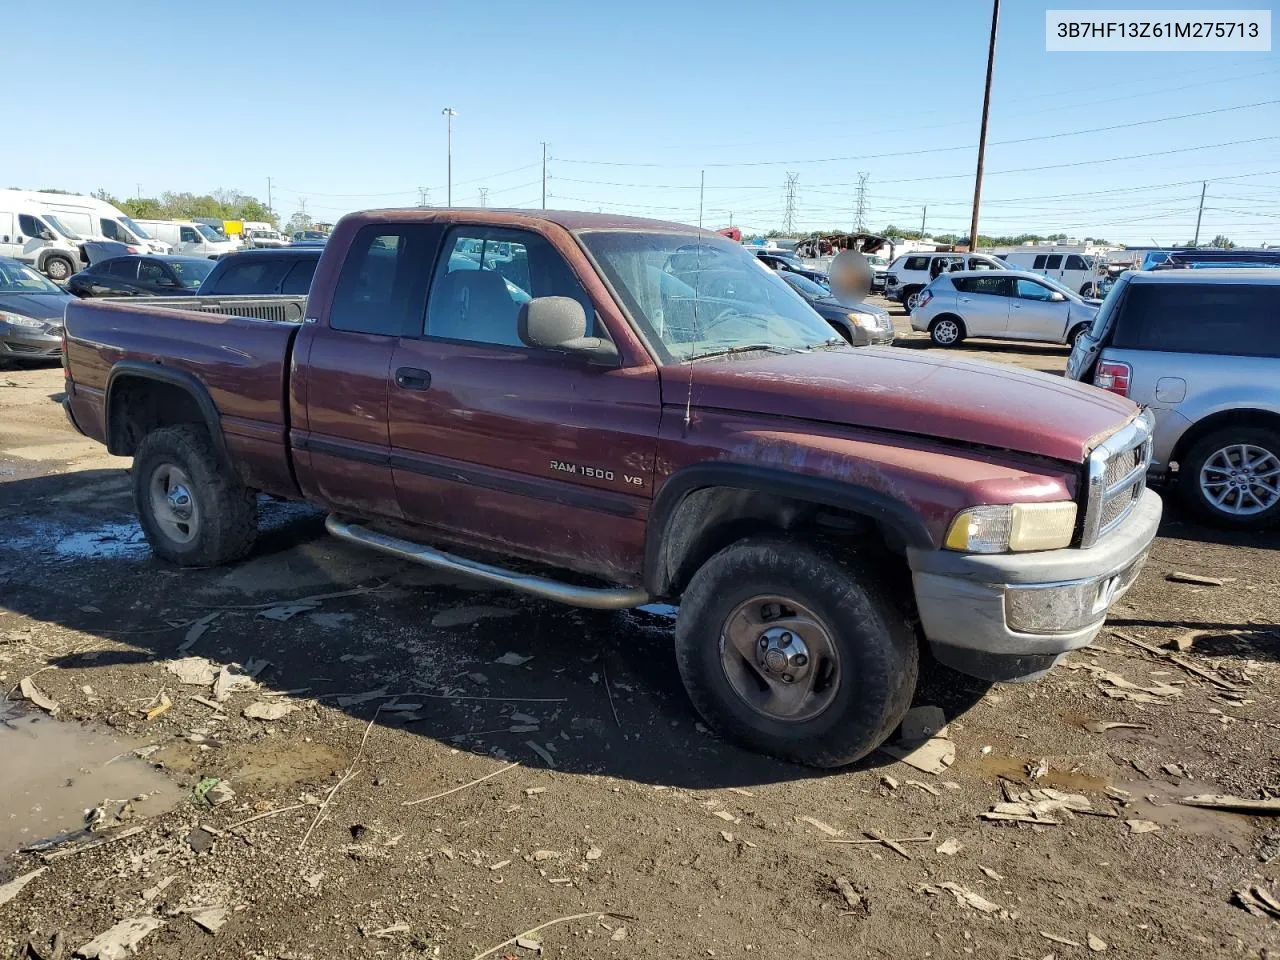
<point>426,791</point>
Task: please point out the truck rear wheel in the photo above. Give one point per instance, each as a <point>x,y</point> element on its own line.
<point>794,655</point>
<point>193,511</point>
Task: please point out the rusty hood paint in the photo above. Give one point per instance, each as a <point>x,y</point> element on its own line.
<point>910,391</point>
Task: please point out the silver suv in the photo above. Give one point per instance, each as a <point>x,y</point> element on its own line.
<point>1201,348</point>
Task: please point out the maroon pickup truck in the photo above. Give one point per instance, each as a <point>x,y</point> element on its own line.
<point>607,411</point>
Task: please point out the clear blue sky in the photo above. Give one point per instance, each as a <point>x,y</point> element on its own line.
<point>340,104</point>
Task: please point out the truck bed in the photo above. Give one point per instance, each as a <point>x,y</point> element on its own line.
<point>221,346</point>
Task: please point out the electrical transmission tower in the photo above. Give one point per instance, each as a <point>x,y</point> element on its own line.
<point>860,214</point>
<point>484,196</point>
<point>424,196</point>
<point>789,213</point>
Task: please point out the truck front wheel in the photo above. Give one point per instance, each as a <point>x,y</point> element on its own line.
<point>794,655</point>
<point>58,268</point>
<point>193,511</point>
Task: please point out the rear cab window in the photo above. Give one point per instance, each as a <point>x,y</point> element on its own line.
<point>1230,319</point>
<point>383,285</point>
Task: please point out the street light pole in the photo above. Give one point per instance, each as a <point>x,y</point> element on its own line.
<point>449,113</point>
<point>982,135</point>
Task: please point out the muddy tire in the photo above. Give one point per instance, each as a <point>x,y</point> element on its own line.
<point>193,511</point>
<point>794,655</point>
<point>1231,478</point>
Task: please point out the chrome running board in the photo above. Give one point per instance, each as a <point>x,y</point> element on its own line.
<point>597,598</point>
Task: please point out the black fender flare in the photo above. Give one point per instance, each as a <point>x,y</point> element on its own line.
<point>885,510</point>
<point>159,373</point>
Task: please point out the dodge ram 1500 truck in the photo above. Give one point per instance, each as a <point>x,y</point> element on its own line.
<point>608,411</point>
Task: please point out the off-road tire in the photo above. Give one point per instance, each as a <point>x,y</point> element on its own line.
<point>1189,476</point>
<point>228,509</point>
<point>58,268</point>
<point>879,656</point>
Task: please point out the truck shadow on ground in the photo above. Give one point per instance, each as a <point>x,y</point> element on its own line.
<point>600,693</point>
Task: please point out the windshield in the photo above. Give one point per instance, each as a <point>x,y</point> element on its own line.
<point>16,278</point>
<point>814,291</point>
<point>1057,286</point>
<point>191,273</point>
<point>208,232</point>
<point>60,227</point>
<point>136,230</point>
<point>696,296</point>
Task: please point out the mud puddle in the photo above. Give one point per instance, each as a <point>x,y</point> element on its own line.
<point>53,772</point>
<point>260,766</point>
<point>995,766</point>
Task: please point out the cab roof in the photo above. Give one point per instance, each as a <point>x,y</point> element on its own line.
<point>573,220</point>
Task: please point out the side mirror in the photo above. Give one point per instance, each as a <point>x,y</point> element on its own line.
<point>560,323</point>
<point>1057,297</point>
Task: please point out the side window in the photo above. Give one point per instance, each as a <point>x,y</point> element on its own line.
<point>151,272</point>
<point>1076,263</point>
<point>982,263</point>
<point>297,281</point>
<point>30,226</point>
<point>1030,290</point>
<point>916,263</point>
<point>188,235</point>
<point>111,230</point>
<point>383,285</point>
<point>1054,262</point>
<point>122,267</point>
<point>1038,263</point>
<point>482,277</point>
<point>254,275</point>
<point>991,286</point>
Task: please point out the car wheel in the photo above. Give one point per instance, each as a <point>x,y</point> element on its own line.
<point>1232,477</point>
<point>193,511</point>
<point>909,298</point>
<point>1074,336</point>
<point>794,655</point>
<point>946,331</point>
<point>58,268</point>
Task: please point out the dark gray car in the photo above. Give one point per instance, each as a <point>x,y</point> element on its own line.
<point>31,311</point>
<point>862,325</point>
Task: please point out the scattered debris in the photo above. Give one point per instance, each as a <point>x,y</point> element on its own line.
<point>619,935</point>
<point>1037,771</point>
<point>525,943</point>
<point>891,844</point>
<point>534,791</point>
<point>31,692</point>
<point>198,630</point>
<point>826,828</point>
<point>11,889</point>
<point>211,919</point>
<point>726,836</point>
<point>233,679</point>
<point>990,874</point>
<point>876,839</point>
<point>162,703</point>
<point>351,772</point>
<point>287,611</point>
<point>463,616</point>
<point>1187,665</point>
<point>50,855</point>
<point>851,896</point>
<point>1038,806</point>
<point>264,710</point>
<point>1174,770</point>
<point>213,791</point>
<point>1096,943</point>
<point>542,753</point>
<point>386,933</point>
<point>1258,900</point>
<point>119,941</point>
<point>949,847</point>
<point>437,796</point>
<point>194,671</point>
<point>352,699</point>
<point>1142,826</point>
<point>1215,801</point>
<point>1179,576</point>
<point>1118,688</point>
<point>1102,726</point>
<point>205,701</point>
<point>151,893</point>
<point>728,817</point>
<point>889,782</point>
<point>932,756</point>
<point>593,853</point>
<point>538,856</point>
<point>927,788</point>
<point>923,723</point>
<point>965,897</point>
<point>510,659</point>
<point>1056,939</point>
<point>542,926</point>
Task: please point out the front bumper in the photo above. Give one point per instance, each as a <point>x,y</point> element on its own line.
<point>17,344</point>
<point>1012,616</point>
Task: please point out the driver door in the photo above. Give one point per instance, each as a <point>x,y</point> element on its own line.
<point>1035,315</point>
<point>521,450</point>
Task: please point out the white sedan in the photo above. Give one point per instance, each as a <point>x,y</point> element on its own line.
<point>1004,304</point>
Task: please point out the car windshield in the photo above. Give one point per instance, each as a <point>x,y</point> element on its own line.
<point>17,278</point>
<point>699,295</point>
<point>1071,294</point>
<point>61,227</point>
<point>191,273</point>
<point>136,230</point>
<point>208,232</point>
<point>814,291</point>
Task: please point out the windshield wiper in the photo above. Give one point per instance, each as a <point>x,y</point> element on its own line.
<point>747,348</point>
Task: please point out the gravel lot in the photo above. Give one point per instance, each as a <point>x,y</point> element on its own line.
<point>621,811</point>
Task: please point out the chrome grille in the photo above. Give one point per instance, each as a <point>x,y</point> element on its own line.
<point>1116,476</point>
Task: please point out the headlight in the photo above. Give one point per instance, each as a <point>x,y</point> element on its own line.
<point>1017,526</point>
<point>867,321</point>
<point>16,320</point>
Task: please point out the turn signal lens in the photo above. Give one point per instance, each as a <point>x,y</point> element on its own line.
<point>1017,527</point>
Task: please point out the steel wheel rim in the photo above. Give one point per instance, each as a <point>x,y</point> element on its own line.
<point>780,658</point>
<point>58,270</point>
<point>172,504</point>
<point>946,331</point>
<point>1241,479</point>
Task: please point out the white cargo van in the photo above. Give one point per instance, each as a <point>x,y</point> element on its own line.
<point>1071,268</point>
<point>95,219</point>
<point>188,238</point>
<point>31,233</point>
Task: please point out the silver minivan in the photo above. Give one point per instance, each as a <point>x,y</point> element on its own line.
<point>1201,348</point>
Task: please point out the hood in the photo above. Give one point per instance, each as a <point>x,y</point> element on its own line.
<point>910,391</point>
<point>39,306</point>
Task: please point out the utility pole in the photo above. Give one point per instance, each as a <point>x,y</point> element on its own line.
<point>982,135</point>
<point>789,214</point>
<point>138,195</point>
<point>422,196</point>
<point>924,212</point>
<point>544,174</point>
<point>484,196</point>
<point>702,189</point>
<point>1203,187</point>
<point>268,195</point>
<point>449,113</point>
<point>861,214</point>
